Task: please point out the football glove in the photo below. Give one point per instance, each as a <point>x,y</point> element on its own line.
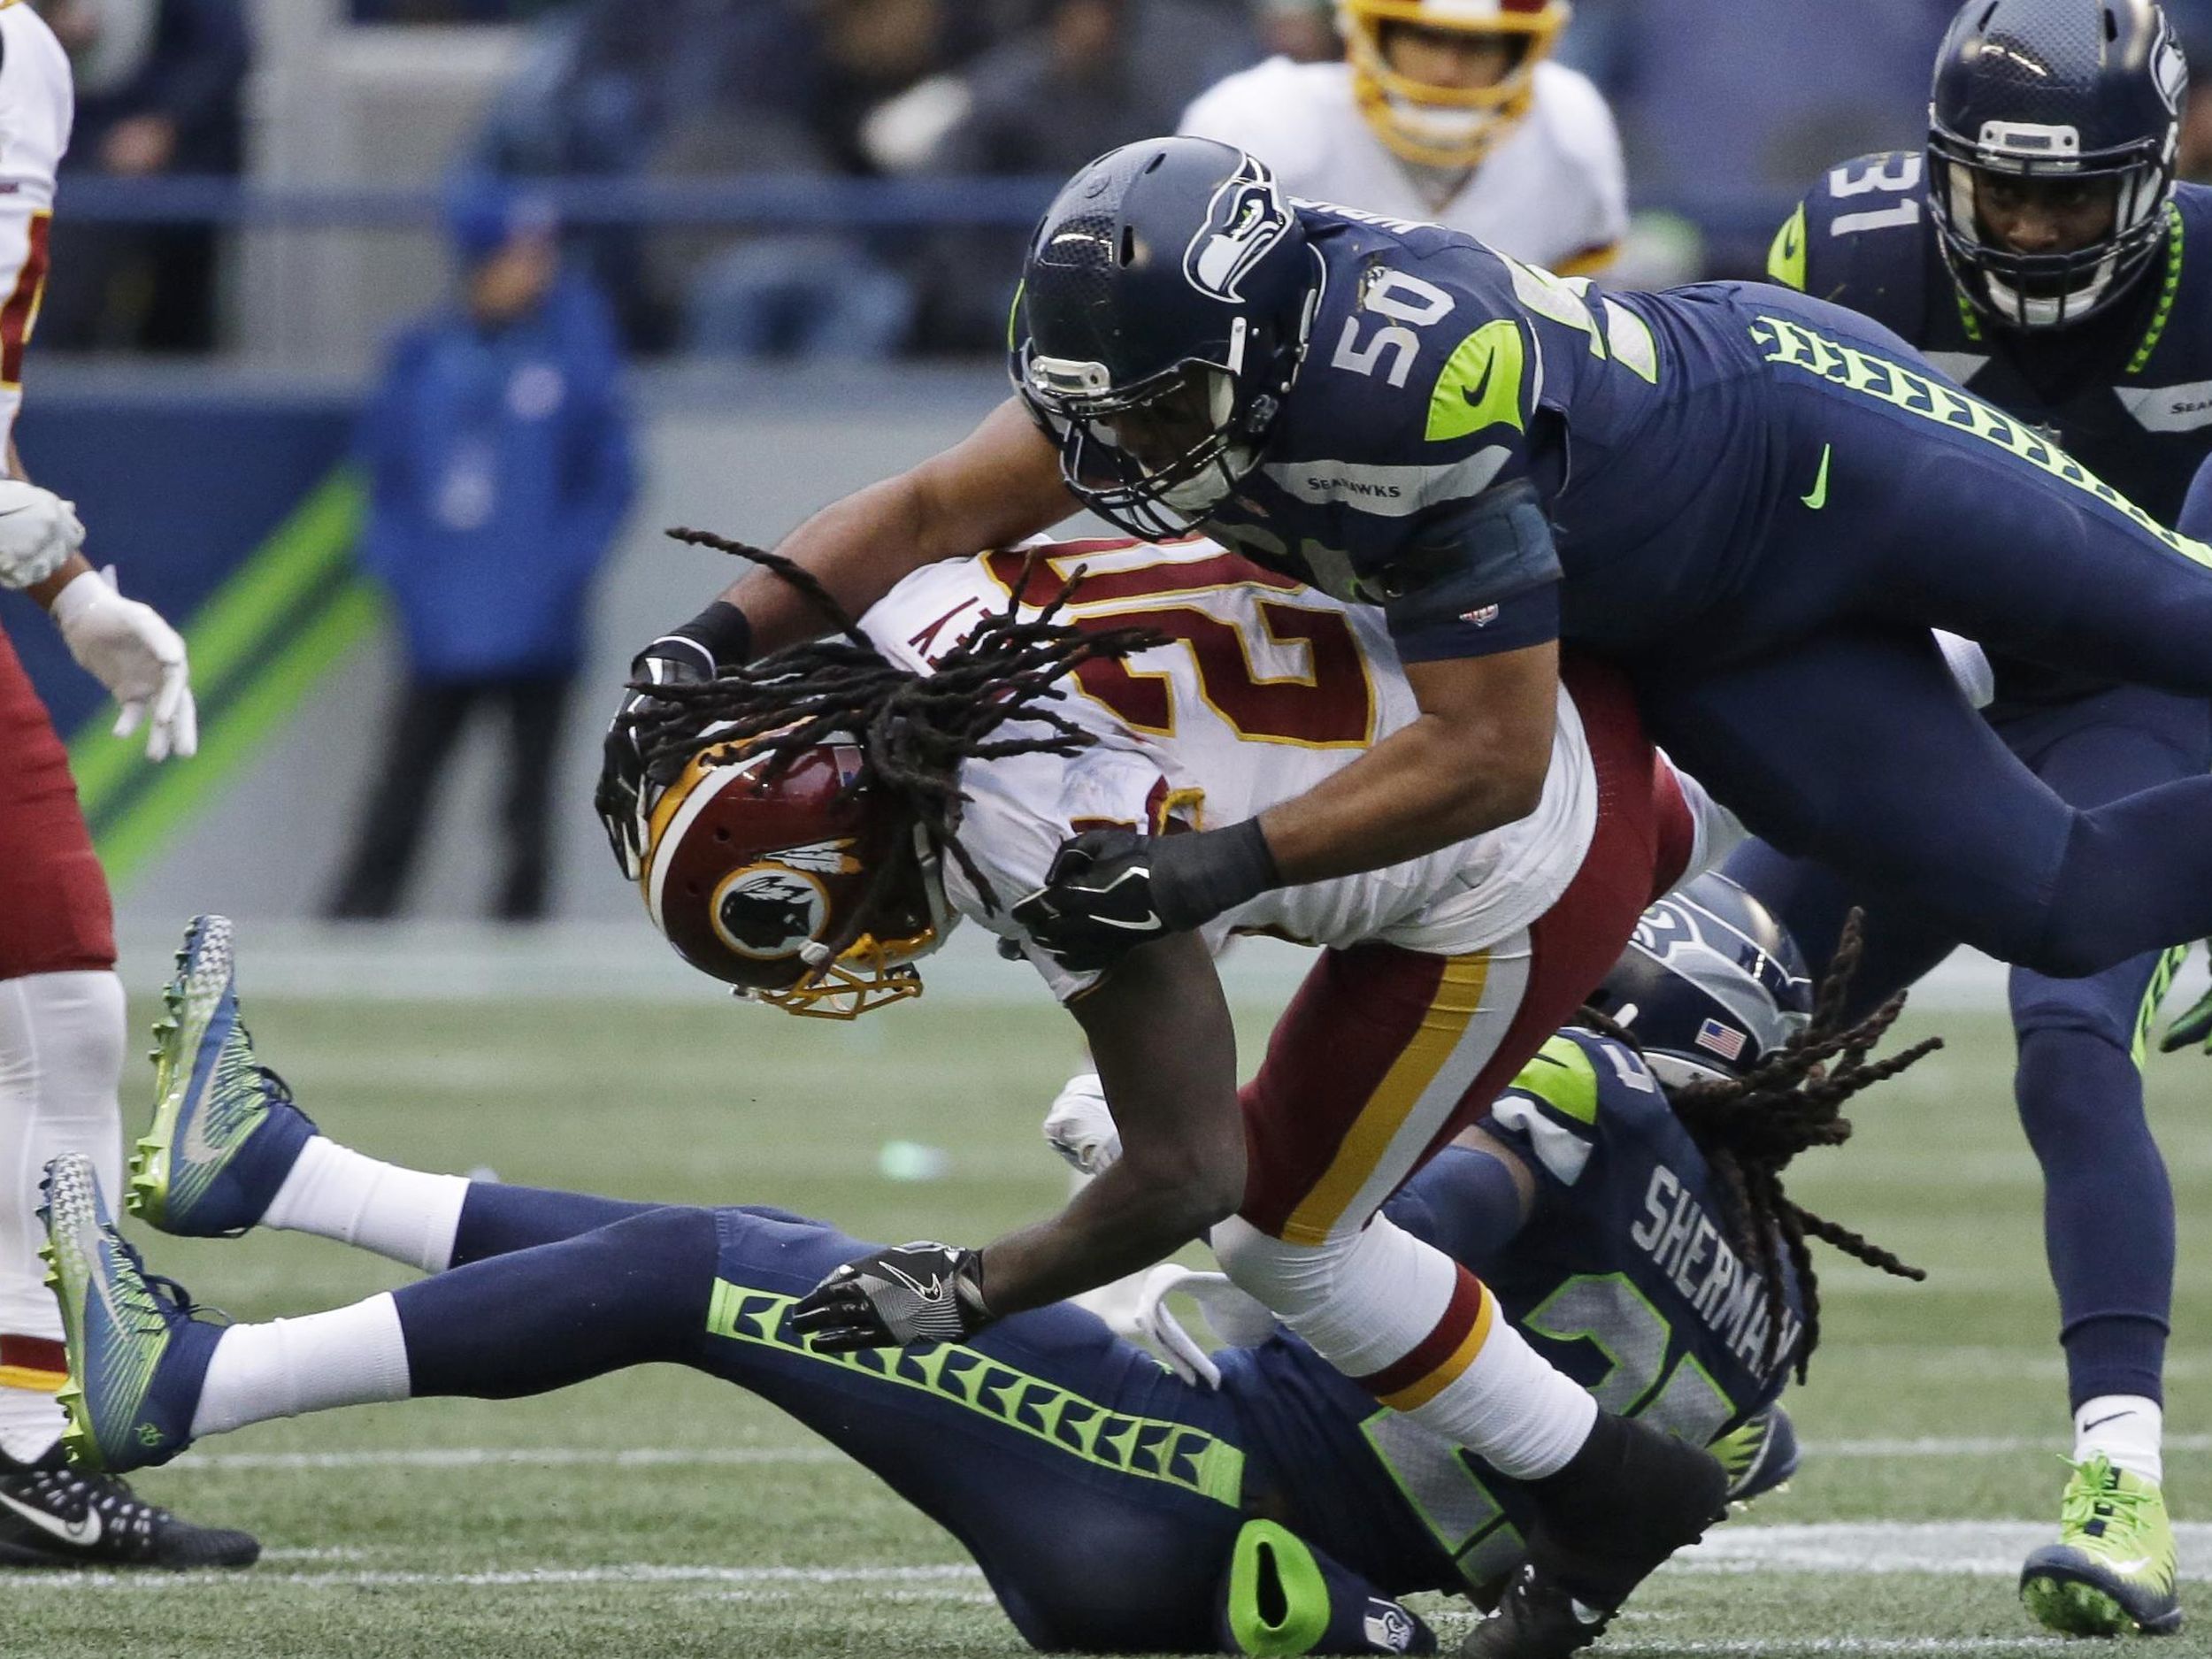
<point>1111,890</point>
<point>2193,1024</point>
<point>620,800</point>
<point>917,1293</point>
<point>38,533</point>
<point>1080,1126</point>
<point>127,648</point>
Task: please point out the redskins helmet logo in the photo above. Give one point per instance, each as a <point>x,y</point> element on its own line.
<point>1245,218</point>
<point>769,913</point>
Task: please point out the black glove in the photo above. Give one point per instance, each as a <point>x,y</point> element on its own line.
<point>2193,1024</point>
<point>917,1293</point>
<point>672,659</point>
<point>1110,891</point>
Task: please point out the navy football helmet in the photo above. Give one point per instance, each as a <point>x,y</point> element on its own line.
<point>2072,104</point>
<point>1710,987</point>
<point>1164,311</point>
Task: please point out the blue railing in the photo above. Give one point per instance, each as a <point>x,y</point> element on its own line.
<point>747,203</point>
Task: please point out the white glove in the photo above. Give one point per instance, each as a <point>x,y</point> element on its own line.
<point>1080,1125</point>
<point>1239,1320</point>
<point>139,658</point>
<point>38,533</point>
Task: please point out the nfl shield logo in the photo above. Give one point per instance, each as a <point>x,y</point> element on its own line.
<point>1723,1041</point>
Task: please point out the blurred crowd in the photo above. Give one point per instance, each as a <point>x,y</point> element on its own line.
<point>1721,125</point>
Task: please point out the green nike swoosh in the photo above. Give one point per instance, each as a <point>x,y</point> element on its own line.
<point>1819,497</point>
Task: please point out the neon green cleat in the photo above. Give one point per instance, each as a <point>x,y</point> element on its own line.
<point>225,1132</point>
<point>2113,1569</point>
<point>136,1353</point>
<point>1760,1454</point>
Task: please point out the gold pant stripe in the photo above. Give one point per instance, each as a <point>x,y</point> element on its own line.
<point>44,1382</point>
<point>1458,997</point>
<point>1416,1394</point>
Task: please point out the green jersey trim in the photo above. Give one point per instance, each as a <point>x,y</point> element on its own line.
<point>1795,346</point>
<point>1481,383</point>
<point>1145,1448</point>
<point>1786,259</point>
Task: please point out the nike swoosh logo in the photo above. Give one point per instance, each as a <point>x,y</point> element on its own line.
<point>1819,497</point>
<point>1477,393</point>
<point>2125,1567</point>
<point>196,1150</point>
<point>82,1532</point>
<point>2100,1422</point>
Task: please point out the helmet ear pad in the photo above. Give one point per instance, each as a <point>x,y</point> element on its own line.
<point>768,872</point>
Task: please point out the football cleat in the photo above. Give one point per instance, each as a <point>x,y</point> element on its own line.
<point>2113,1569</point>
<point>225,1132</point>
<point>1759,1454</point>
<point>54,1516</point>
<point>1628,1499</point>
<point>137,1352</point>
<point>1537,1618</point>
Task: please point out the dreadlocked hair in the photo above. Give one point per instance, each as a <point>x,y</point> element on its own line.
<point>914,731</point>
<point>1750,1127</point>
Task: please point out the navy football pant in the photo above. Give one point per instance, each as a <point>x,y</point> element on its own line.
<point>1808,697</point>
<point>2108,1216</point>
<point>1086,1547</point>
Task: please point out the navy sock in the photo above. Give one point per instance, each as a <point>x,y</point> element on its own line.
<point>2108,1210</point>
<point>546,1317</point>
<point>496,1218</point>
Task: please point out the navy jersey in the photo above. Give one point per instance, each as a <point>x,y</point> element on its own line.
<point>1466,429</point>
<point>1497,458</point>
<point>1623,1276</point>
<point>2128,392</point>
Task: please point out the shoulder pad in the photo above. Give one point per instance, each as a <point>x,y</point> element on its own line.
<point>1562,1078</point>
<point>1859,238</point>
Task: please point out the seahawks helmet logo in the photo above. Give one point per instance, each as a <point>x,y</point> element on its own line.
<point>768,912</point>
<point>1245,218</point>
<point>2169,67</point>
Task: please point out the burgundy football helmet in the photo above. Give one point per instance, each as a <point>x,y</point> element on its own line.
<point>795,882</point>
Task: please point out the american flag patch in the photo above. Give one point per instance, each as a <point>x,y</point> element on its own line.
<point>1723,1041</point>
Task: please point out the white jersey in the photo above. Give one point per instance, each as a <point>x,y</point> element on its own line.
<point>1265,688</point>
<point>37,104</point>
<point>1553,193</point>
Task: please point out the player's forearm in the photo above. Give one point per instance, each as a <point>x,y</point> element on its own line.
<point>997,486</point>
<point>1130,1217</point>
<point>1419,789</point>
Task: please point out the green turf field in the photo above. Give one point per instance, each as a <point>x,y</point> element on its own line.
<point>661,1515</point>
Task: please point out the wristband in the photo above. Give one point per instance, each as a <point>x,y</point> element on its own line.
<point>1195,878</point>
<point>722,631</point>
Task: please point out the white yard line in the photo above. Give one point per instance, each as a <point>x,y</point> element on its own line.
<point>1979,1550</point>
<point>958,1575</point>
<point>679,1457</point>
<point>486,1456</point>
<point>1943,1446</point>
<point>1963,1548</point>
<point>1780,1647</point>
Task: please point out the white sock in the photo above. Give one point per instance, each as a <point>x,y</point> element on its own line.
<point>1527,1418</point>
<point>2127,1429</point>
<point>61,1056</point>
<point>1366,1301</point>
<point>337,1193</point>
<point>348,1356</point>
